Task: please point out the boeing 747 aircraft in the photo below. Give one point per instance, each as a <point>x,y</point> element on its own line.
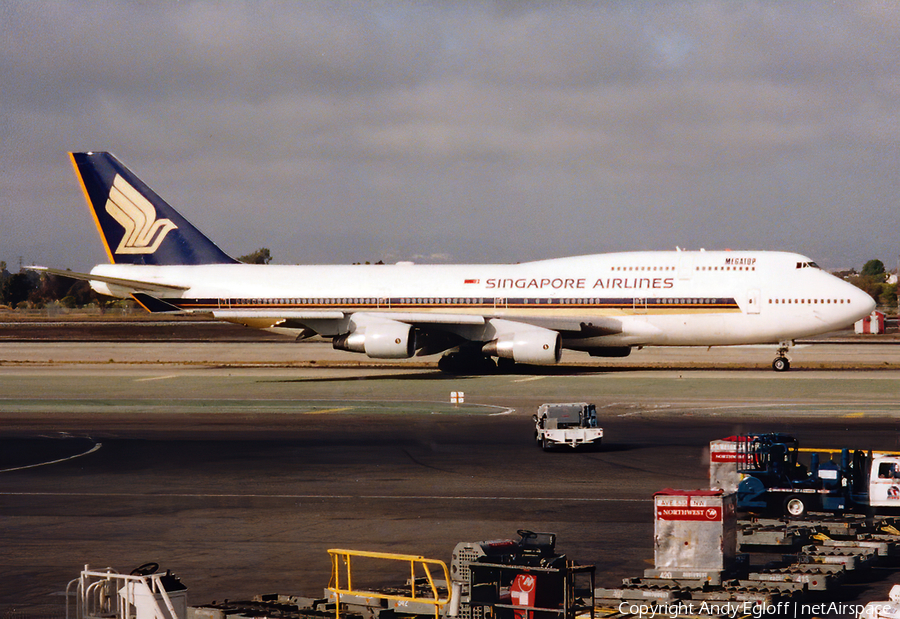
<point>603,304</point>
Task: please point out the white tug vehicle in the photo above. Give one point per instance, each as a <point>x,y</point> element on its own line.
<point>572,425</point>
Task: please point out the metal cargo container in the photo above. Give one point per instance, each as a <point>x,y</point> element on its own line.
<point>694,530</point>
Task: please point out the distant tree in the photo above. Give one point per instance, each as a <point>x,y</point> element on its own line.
<point>260,256</point>
<point>16,289</point>
<point>866,284</point>
<point>888,296</point>
<point>82,294</point>
<point>48,289</point>
<point>874,269</point>
<point>873,281</point>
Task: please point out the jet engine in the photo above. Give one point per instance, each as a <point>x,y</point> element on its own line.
<point>379,339</point>
<point>536,346</point>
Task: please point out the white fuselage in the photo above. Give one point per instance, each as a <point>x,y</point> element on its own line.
<point>705,298</point>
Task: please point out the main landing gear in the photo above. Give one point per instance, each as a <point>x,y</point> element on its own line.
<point>472,362</point>
<point>782,363</point>
<point>467,363</point>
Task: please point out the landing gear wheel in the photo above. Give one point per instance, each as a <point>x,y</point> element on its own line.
<point>781,364</point>
<point>545,444</point>
<point>466,364</point>
<point>506,366</point>
<point>447,365</point>
<point>795,507</point>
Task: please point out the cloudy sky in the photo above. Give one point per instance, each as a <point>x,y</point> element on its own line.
<point>335,132</point>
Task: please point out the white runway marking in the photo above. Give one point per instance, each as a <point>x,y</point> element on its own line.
<point>529,379</point>
<point>144,380</point>
<point>32,466</point>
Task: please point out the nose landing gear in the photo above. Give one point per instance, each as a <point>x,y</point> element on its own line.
<point>781,362</point>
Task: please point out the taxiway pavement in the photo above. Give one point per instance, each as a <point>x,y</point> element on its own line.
<point>237,468</point>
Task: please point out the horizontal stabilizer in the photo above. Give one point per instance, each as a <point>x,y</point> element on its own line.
<point>130,284</point>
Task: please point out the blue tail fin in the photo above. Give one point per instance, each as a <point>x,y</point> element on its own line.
<point>136,225</point>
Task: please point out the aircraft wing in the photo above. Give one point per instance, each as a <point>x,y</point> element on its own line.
<point>135,285</point>
<point>578,325</point>
<point>427,318</point>
<point>321,321</point>
<point>276,316</point>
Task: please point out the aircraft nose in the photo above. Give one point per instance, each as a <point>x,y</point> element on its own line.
<point>861,303</point>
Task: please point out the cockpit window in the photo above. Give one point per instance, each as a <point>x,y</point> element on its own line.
<point>807,265</point>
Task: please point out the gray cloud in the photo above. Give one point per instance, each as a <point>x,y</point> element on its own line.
<point>508,131</point>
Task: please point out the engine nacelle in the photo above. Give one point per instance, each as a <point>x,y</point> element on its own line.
<point>379,339</point>
<point>535,346</point>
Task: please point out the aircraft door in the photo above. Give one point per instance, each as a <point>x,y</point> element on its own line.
<point>639,306</point>
<point>753,301</point>
<point>685,265</point>
<point>499,303</point>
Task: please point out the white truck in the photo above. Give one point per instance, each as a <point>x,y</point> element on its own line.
<point>572,424</point>
<point>766,473</point>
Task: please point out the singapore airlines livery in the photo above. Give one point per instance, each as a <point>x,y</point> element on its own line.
<point>527,313</point>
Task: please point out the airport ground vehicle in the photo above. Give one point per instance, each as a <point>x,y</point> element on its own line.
<point>775,480</point>
<point>571,424</point>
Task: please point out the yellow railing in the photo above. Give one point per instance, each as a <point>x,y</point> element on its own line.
<point>339,589</point>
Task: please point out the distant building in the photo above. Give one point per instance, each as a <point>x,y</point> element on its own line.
<point>845,274</point>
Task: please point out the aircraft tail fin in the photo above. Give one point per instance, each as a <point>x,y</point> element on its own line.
<point>136,225</point>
